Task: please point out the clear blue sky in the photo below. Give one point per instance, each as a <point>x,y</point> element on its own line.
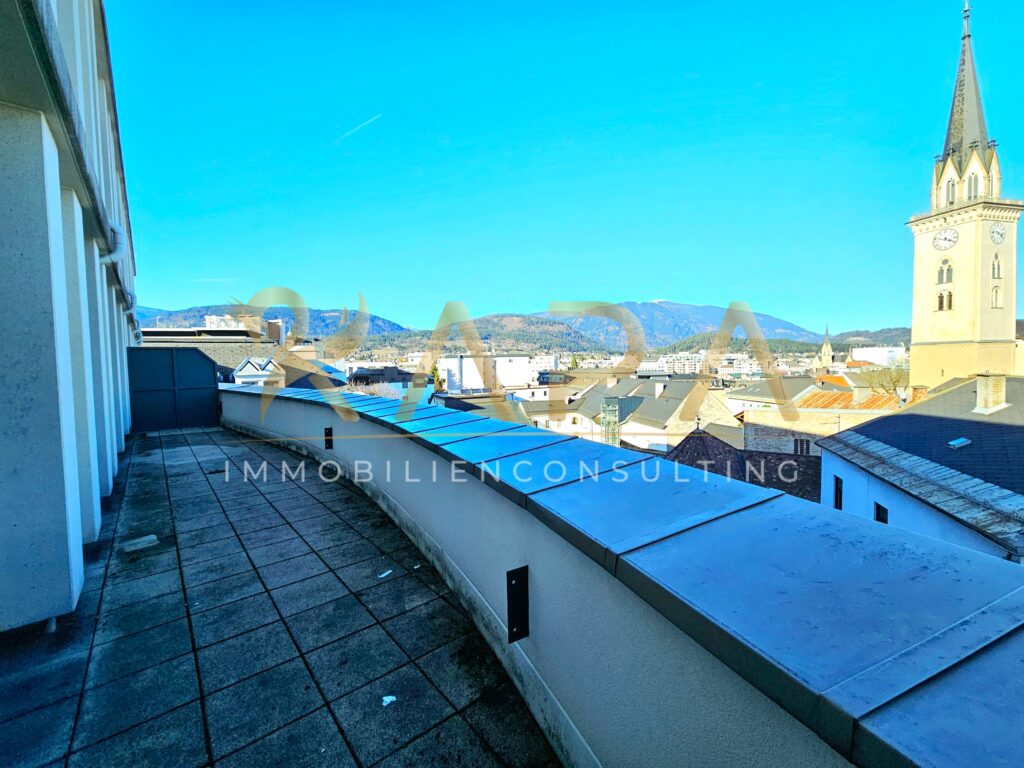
<point>532,152</point>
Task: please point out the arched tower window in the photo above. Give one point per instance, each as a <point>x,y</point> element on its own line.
<point>997,268</point>
<point>949,299</point>
<point>972,186</point>
<point>942,301</point>
<point>950,192</point>
<point>945,301</point>
<point>945,272</point>
<point>997,298</point>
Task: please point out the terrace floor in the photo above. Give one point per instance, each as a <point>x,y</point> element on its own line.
<point>274,623</point>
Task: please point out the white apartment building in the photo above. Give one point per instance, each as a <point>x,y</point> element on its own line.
<point>888,357</point>
<point>469,372</point>
<point>738,365</point>
<point>228,322</point>
<point>65,240</point>
<point>685,362</point>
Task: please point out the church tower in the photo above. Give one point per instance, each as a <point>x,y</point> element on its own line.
<point>965,250</point>
<point>825,356</point>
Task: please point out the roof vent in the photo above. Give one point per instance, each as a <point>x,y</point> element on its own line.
<point>991,390</point>
<point>960,442</point>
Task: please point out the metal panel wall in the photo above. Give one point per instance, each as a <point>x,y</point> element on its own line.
<point>172,388</point>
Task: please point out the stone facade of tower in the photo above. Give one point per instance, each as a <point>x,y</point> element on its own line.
<point>965,251</point>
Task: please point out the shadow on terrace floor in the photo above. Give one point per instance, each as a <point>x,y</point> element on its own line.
<point>273,624</point>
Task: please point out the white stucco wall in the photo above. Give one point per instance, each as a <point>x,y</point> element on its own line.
<point>861,490</point>
<point>611,681</point>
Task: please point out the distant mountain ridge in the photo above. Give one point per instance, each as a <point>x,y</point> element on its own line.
<point>665,324</point>
<point>322,322</point>
<point>886,337</point>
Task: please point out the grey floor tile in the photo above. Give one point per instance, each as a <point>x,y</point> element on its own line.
<point>173,740</point>
<point>244,655</point>
<point>367,573</point>
<point>331,537</point>
<point>215,593</point>
<point>389,540</point>
<point>37,737</point>
<point>389,713</point>
<point>214,570</point>
<point>139,651</point>
<point>131,700</point>
<point>137,617</point>
<point>123,593</point>
<point>429,576</point>
<point>395,596</point>
<point>408,556</point>
<point>255,707</point>
<point>330,621</point>
<point>451,743</point>
<point>39,680</point>
<point>463,669</point>
<point>308,593</point>
<point>241,509</point>
<point>184,525</point>
<point>258,522</point>
<point>205,536</point>
<point>427,627</point>
<point>143,566</point>
<point>288,571</point>
<point>210,550</point>
<point>265,536</point>
<point>312,742</point>
<point>280,550</point>
<point>223,622</point>
<point>347,554</point>
<point>503,719</point>
<point>323,522</point>
<point>344,665</point>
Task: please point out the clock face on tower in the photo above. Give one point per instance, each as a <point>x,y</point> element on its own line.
<point>997,233</point>
<point>945,239</point>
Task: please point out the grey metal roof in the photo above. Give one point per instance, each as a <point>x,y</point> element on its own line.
<point>655,411</point>
<point>792,386</point>
<point>894,648</point>
<point>589,404</point>
<point>996,452</point>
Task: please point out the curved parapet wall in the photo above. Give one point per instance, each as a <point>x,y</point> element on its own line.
<point>678,618</point>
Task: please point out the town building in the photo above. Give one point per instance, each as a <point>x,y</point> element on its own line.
<point>797,475</point>
<point>948,466</point>
<point>889,357</point>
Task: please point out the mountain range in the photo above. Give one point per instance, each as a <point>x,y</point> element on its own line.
<point>666,325</point>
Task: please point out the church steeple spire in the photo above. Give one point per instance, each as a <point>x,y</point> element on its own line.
<point>967,118</point>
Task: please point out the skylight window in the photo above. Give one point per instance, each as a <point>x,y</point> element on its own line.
<point>960,442</point>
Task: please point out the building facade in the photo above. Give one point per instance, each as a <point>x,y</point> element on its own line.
<point>69,284</point>
<point>965,250</point>
<point>947,466</point>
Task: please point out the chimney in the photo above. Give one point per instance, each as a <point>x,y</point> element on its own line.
<point>659,387</point>
<point>991,392</point>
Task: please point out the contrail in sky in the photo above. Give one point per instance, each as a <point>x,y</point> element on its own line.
<point>349,133</point>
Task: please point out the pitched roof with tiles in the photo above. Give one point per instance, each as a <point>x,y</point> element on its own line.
<point>795,475</point>
<point>847,401</point>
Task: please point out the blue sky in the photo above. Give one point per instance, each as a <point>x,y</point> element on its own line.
<point>534,152</point>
